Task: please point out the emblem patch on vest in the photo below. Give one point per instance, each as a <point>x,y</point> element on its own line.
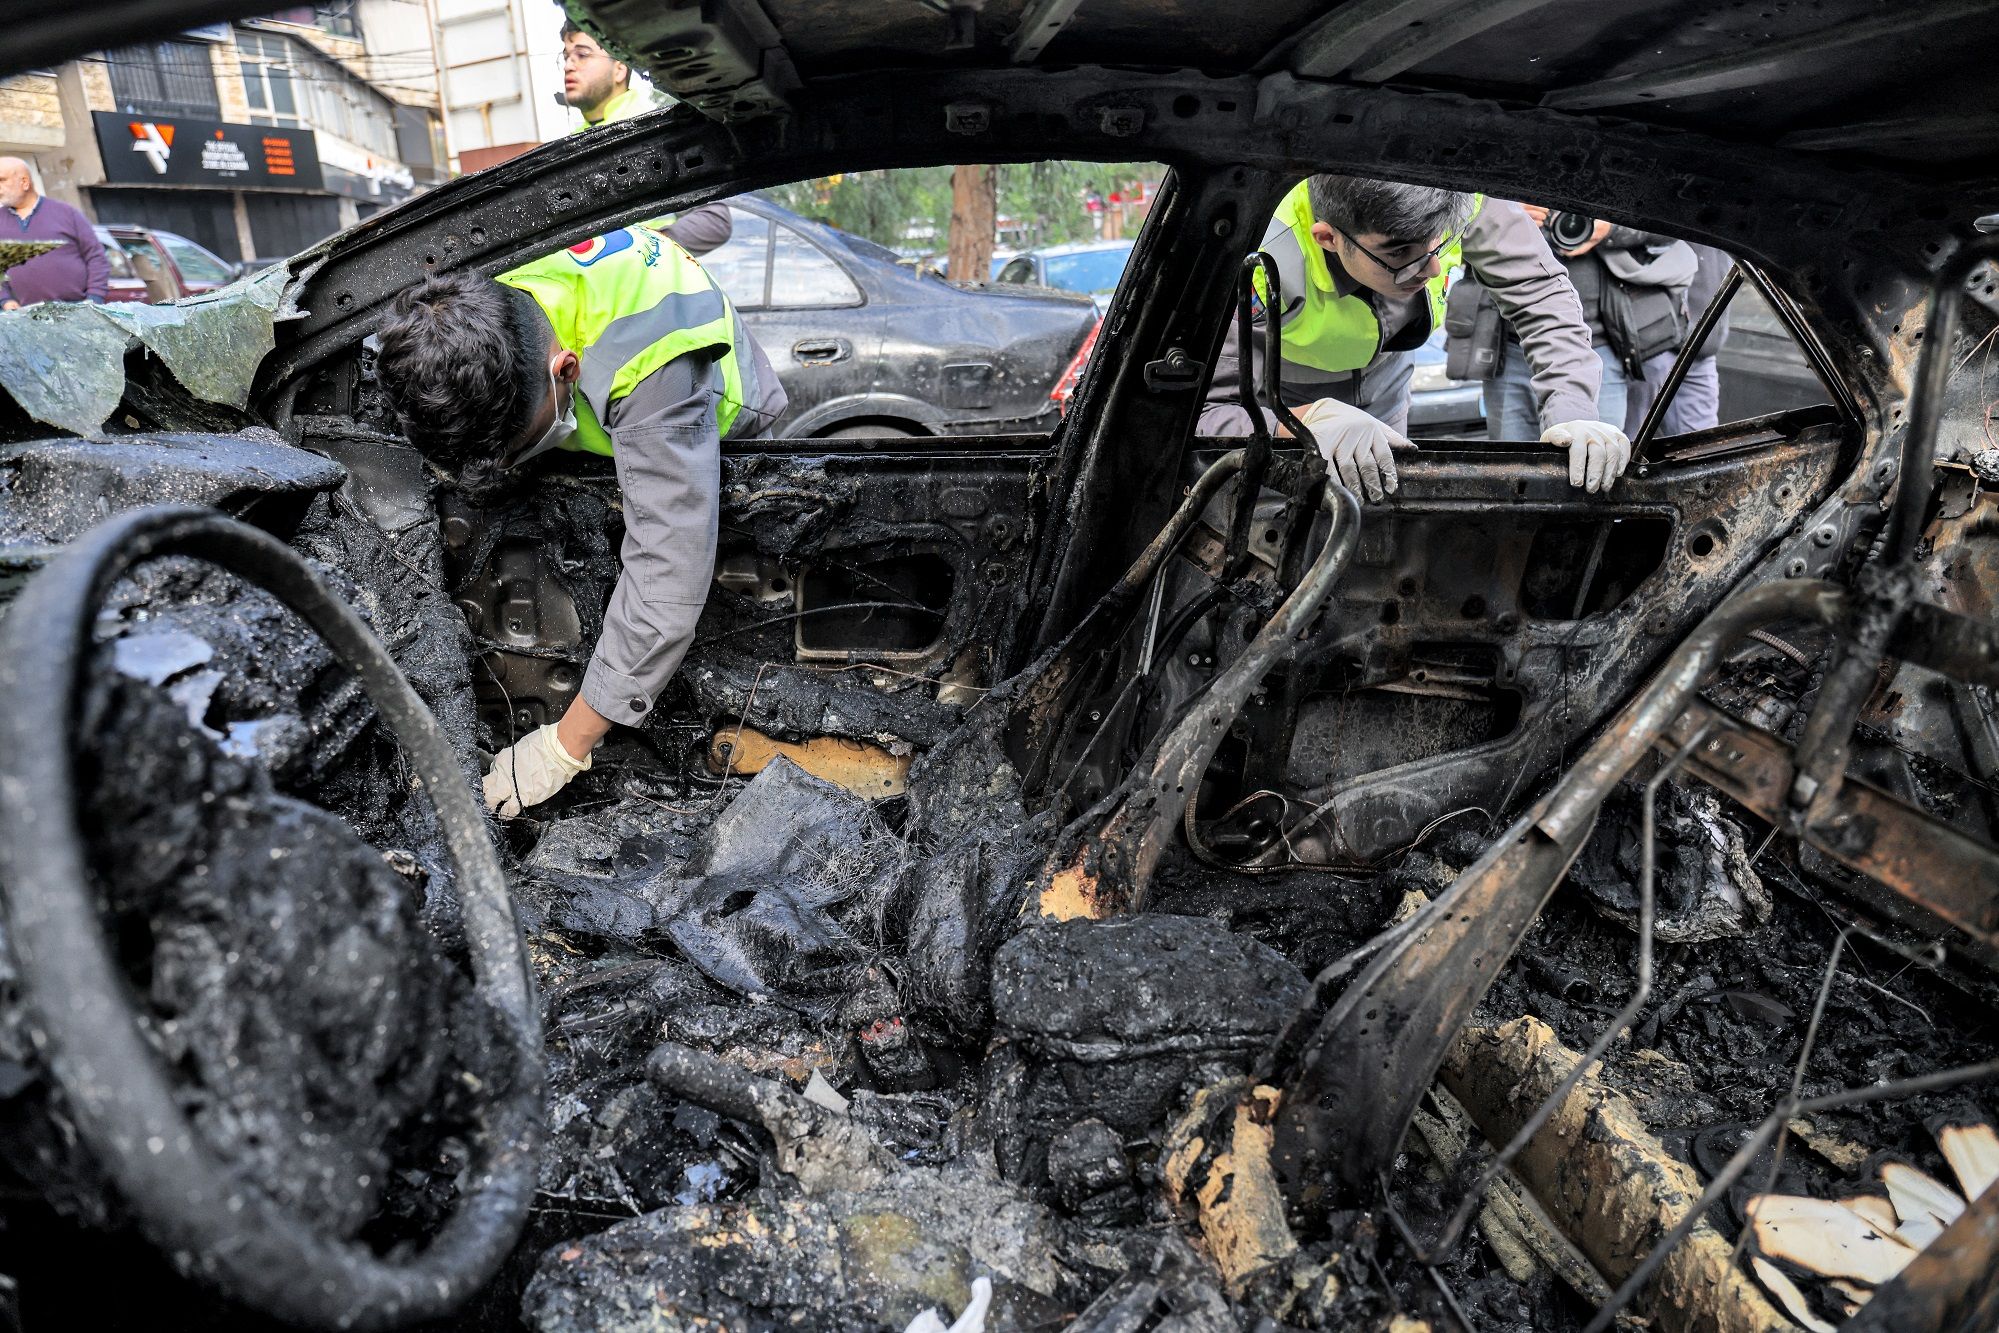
<point>594,249</point>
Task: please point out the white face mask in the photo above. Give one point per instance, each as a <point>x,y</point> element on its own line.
<point>561,430</point>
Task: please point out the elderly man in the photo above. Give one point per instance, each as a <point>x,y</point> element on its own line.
<point>77,271</point>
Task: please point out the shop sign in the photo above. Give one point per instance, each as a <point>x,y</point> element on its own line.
<point>178,150</point>
<point>361,175</point>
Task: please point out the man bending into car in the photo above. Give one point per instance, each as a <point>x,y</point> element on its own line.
<point>1362,265</point>
<point>621,346</point>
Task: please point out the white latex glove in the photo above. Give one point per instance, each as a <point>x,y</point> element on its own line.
<point>1355,445</point>
<point>1598,452</point>
<point>530,771</point>
<point>973,1320</point>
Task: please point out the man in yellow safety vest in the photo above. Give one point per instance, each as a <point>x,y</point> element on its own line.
<point>1362,267</point>
<point>601,88</point>
<point>623,346</point>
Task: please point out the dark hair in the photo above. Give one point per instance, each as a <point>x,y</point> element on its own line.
<point>1356,205</point>
<point>463,362</point>
<point>569,28</point>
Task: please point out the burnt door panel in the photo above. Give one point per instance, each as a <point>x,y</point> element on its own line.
<point>862,594</point>
<point>1492,616</point>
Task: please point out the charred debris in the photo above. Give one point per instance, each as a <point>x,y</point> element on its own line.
<point>868,986</point>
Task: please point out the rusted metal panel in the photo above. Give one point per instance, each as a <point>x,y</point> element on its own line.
<point>1399,1017</point>
<point>1931,865</point>
<point>1145,814</point>
<point>1451,553</point>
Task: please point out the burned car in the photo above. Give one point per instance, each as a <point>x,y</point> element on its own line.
<point>1107,880</point>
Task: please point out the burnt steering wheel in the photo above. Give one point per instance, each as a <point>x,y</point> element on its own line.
<point>212,1215</point>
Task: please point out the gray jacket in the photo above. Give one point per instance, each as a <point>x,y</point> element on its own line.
<point>669,459</point>
<point>700,230</point>
<point>1508,255</point>
<point>1714,268</point>
<point>1586,270</point>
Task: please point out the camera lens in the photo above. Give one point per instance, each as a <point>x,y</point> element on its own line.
<point>1569,230</point>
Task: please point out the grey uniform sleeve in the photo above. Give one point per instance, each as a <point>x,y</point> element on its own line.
<point>702,229</point>
<point>1222,413</point>
<point>669,462</point>
<point>1510,258</point>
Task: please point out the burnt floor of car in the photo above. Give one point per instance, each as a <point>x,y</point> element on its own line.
<point>1079,1107</point>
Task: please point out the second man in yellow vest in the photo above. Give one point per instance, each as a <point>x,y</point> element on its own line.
<point>623,346</point>
<point>601,88</point>
<point>1362,265</point>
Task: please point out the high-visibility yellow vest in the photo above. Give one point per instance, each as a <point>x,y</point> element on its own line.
<point>1331,333</point>
<point>622,106</point>
<point>628,302</point>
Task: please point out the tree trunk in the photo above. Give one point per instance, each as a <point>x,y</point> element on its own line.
<point>974,207</point>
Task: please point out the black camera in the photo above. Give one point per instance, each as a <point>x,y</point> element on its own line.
<point>1566,231</point>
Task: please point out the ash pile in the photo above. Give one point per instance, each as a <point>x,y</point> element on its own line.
<point>820,1061</point>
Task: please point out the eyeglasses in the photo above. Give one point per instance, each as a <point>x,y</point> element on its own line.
<point>580,56</point>
<point>1402,273</point>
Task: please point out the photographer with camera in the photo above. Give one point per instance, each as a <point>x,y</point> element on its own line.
<point>1633,286</point>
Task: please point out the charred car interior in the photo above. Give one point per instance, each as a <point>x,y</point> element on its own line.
<point>1109,880</point>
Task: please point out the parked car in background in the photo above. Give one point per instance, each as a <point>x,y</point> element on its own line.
<point>1090,267</point>
<point>868,345</point>
<point>171,266</point>
<point>126,285</point>
<point>1439,406</point>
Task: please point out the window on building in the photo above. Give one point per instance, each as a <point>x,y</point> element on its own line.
<point>420,144</point>
<point>163,79</point>
<point>287,83</point>
<point>269,78</point>
<point>337,17</point>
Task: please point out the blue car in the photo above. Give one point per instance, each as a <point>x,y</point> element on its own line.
<point>1090,267</point>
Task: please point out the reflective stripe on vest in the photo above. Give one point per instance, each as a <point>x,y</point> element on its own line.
<point>626,303</point>
<point>1327,335</point>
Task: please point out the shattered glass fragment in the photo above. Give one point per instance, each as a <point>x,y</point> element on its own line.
<point>65,363</point>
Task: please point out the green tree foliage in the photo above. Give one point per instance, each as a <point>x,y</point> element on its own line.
<point>1040,203</point>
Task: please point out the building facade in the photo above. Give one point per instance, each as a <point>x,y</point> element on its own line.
<point>255,139</point>
<point>500,66</point>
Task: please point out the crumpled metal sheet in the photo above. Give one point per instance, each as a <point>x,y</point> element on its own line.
<point>65,363</point>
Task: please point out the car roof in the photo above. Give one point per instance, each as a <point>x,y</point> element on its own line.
<point>1907,83</point>
<point>859,247</point>
<point>1082,247</point>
